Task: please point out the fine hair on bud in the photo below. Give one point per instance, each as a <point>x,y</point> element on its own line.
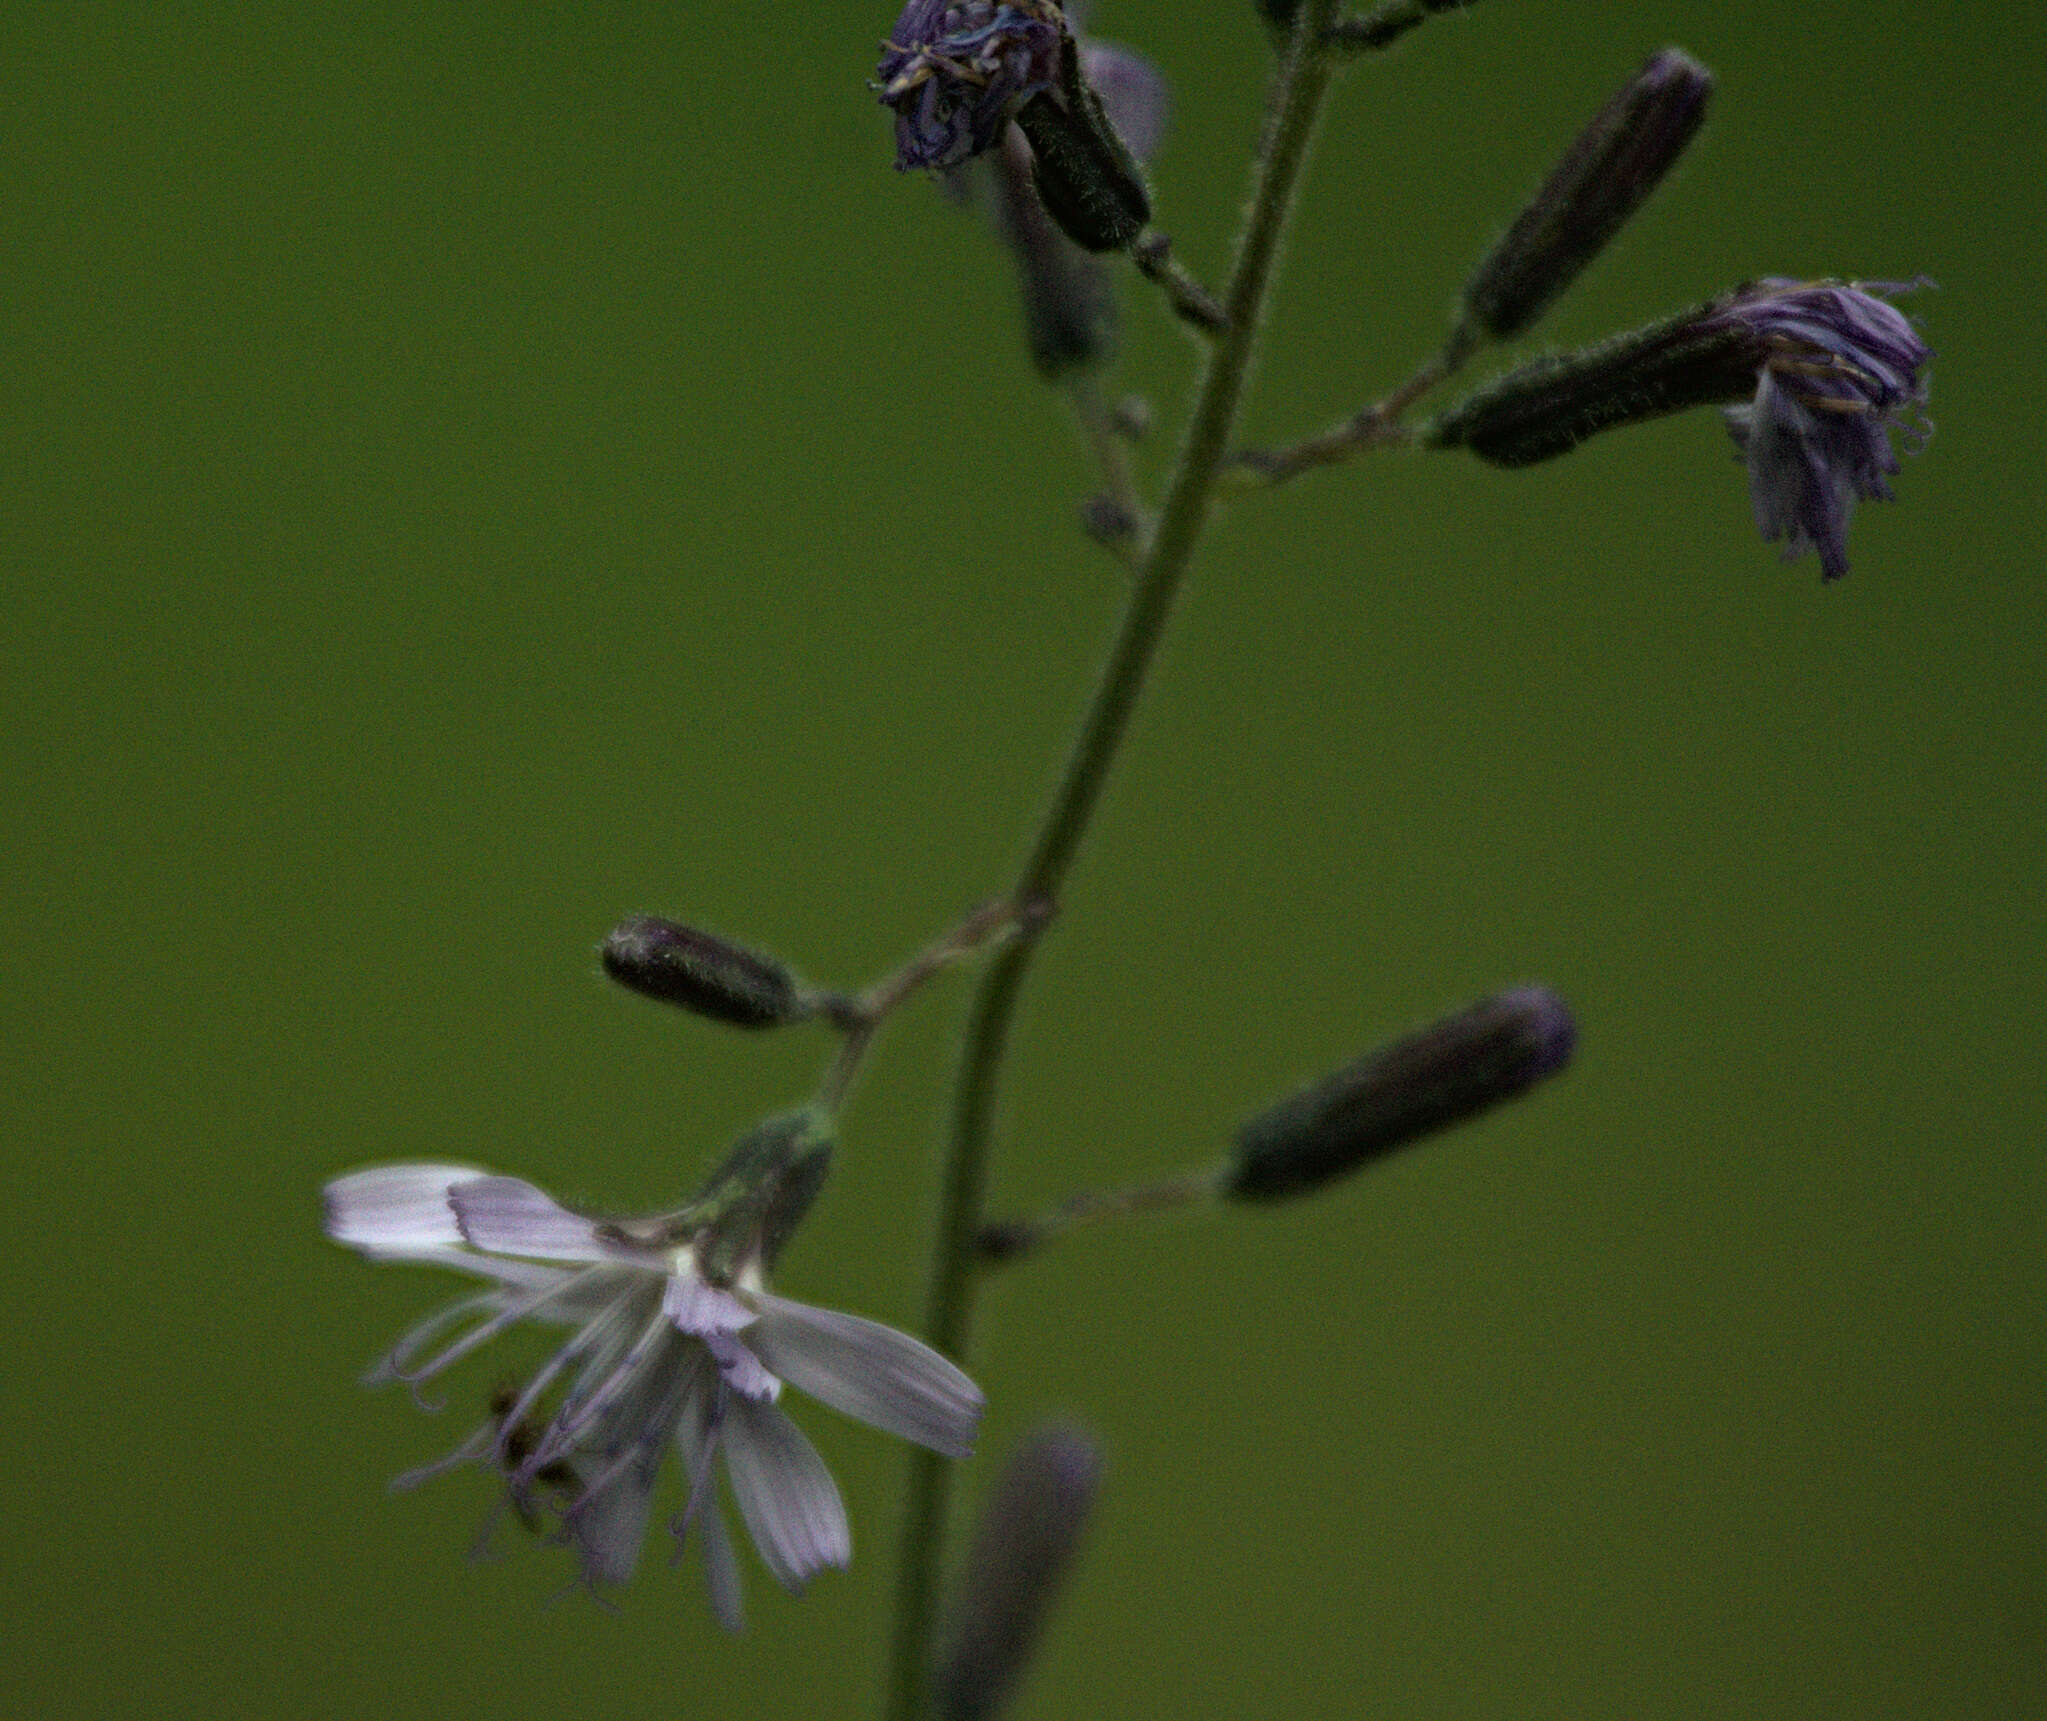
<point>1603,179</point>
<point>1023,1544</point>
<point>1434,1078</point>
<point>1090,182</point>
<point>706,975</point>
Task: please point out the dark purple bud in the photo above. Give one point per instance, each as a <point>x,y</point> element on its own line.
<point>1608,174</point>
<point>1091,184</point>
<point>955,74</point>
<point>1442,1075</point>
<point>1022,1547</point>
<point>1826,370</point>
<point>682,966</point>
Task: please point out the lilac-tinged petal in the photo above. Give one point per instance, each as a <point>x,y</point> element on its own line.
<point>721,1567</point>
<point>697,1307</point>
<point>786,1495</point>
<point>869,1372</point>
<point>1132,93</point>
<point>509,1216</point>
<point>609,1522</point>
<point>395,1210</point>
<point>741,1369</point>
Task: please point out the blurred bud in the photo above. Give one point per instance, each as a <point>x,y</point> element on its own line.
<point>1022,1546</point>
<point>1069,305</point>
<point>1608,174</point>
<point>1090,182</point>
<point>1108,522</point>
<point>1432,1079</point>
<point>707,975</point>
<point>753,1202</point>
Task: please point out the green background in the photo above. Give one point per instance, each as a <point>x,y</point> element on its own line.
<point>469,473</point>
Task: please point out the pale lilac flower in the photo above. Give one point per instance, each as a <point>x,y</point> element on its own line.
<point>1840,368</point>
<point>658,1355</point>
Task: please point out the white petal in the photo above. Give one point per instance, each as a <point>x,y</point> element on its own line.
<point>785,1494</point>
<point>509,1216</point>
<point>870,1372</point>
<point>396,1210</point>
<point>697,1307</point>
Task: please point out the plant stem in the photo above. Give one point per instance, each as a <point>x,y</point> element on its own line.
<point>1302,83</point>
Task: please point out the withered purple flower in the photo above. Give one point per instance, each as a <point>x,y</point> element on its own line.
<point>675,1340</point>
<point>956,73</point>
<point>1841,367</point>
<point>1825,370</point>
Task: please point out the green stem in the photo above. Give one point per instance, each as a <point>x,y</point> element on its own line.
<point>1297,100</point>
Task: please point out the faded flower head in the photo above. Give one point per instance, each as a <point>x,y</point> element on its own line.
<point>956,73</point>
<point>1840,367</point>
<point>1826,369</point>
<point>674,1341</point>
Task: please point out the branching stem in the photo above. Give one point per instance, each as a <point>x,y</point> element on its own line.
<point>1302,83</point>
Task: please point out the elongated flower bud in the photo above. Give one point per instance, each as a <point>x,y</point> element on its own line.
<point>1604,177</point>
<point>709,976</point>
<point>1546,408</point>
<point>1022,1547</point>
<point>1090,182</point>
<point>1440,1076</point>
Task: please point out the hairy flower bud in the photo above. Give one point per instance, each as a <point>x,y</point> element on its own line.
<point>1091,184</point>
<point>1603,179</point>
<point>1442,1075</point>
<point>1024,1543</point>
<point>682,966</point>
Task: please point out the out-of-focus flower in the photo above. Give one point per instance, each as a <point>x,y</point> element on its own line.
<point>955,74</point>
<point>674,1341</point>
<point>1826,368</point>
<point>1842,368</point>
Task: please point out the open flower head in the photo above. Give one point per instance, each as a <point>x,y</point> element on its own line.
<point>1840,368</point>
<point>674,1341</point>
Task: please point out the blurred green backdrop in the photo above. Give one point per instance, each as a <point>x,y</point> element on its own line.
<point>470,473</point>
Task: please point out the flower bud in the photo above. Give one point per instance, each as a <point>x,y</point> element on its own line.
<point>682,966</point>
<point>1090,182</point>
<point>1022,1546</point>
<point>1548,407</point>
<point>1608,174</point>
<point>754,1201</point>
<point>1432,1079</point>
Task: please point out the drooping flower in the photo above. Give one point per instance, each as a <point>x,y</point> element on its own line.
<point>1841,368</point>
<point>1824,371</point>
<point>674,1339</point>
